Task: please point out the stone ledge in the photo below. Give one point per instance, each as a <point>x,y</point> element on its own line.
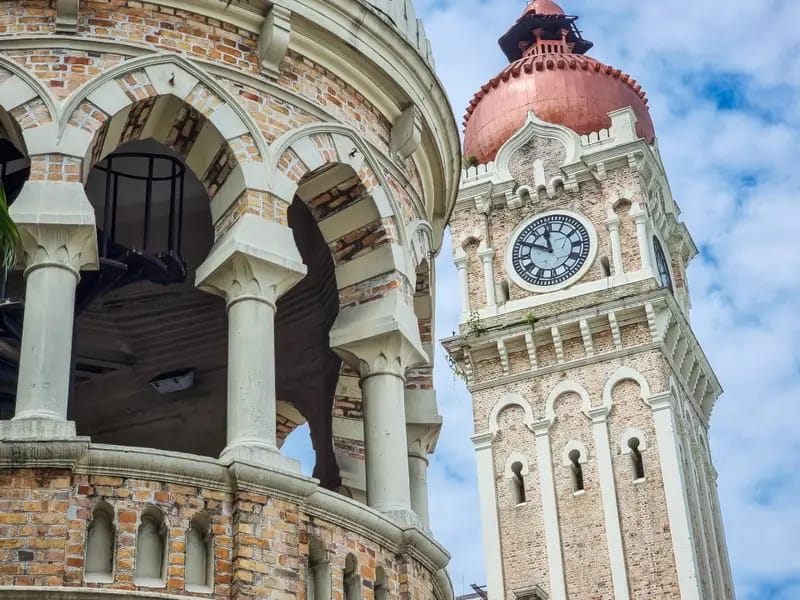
<point>85,458</point>
<point>64,593</point>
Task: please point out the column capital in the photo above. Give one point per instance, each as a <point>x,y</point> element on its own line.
<point>661,401</point>
<point>598,414</point>
<point>638,213</point>
<point>486,254</point>
<point>381,336</point>
<point>255,259</point>
<point>541,428</point>
<point>57,226</point>
<point>423,422</point>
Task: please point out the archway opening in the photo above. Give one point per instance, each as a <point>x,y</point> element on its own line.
<point>150,354</point>
<point>15,170</point>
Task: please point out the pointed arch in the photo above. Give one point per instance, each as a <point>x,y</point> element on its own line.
<point>625,374</point>
<point>565,387</point>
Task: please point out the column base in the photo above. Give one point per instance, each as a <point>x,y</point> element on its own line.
<point>405,518</point>
<point>260,456</point>
<point>37,430</point>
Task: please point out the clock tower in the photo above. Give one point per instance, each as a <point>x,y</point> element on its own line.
<point>591,394</point>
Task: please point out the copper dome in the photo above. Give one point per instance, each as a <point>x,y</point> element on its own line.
<point>543,7</point>
<point>554,79</point>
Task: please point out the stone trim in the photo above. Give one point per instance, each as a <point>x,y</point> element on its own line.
<point>197,471</point>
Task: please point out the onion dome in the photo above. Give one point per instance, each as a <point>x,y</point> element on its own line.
<point>550,75</point>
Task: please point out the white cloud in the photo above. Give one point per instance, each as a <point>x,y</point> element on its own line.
<point>724,88</point>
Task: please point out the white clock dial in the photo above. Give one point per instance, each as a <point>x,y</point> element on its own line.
<point>551,250</point>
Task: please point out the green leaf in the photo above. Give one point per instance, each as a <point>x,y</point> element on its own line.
<point>9,235</point>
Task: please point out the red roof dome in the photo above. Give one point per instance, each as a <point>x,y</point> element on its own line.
<point>542,7</point>
<point>554,80</point>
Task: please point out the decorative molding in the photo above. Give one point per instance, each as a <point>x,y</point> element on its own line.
<point>276,32</point>
<point>516,457</point>
<point>510,399</point>
<point>571,446</point>
<point>67,12</point>
<point>565,387</point>
<point>625,374</point>
<point>406,136</point>
<point>61,233</point>
<point>256,258</point>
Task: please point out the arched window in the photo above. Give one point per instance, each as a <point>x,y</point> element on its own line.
<point>517,483</point>
<point>381,584</point>
<point>151,544</point>
<point>318,577</point>
<point>636,458</point>
<point>100,541</point>
<point>351,580</point>
<point>199,554</point>
<point>577,470</point>
<point>663,265</point>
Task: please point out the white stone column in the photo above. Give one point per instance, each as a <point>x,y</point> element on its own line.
<point>423,425</point>
<point>57,229</point>
<point>640,218</point>
<point>676,496</point>
<point>612,223</point>
<point>490,523</point>
<point>487,256</point>
<point>253,264</point>
<point>462,262</point>
<point>608,493</point>
<point>380,339</point>
<point>552,533</point>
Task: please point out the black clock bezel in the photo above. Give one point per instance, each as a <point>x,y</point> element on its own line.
<point>544,280</point>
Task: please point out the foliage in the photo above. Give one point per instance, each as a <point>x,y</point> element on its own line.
<point>531,319</point>
<point>9,235</point>
<point>475,325</point>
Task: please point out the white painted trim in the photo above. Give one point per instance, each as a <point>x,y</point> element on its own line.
<point>625,374</point>
<point>570,447</point>
<point>490,524</point>
<point>676,497</point>
<point>627,435</point>
<point>608,494</point>
<point>516,457</point>
<point>552,531</point>
<point>541,289</point>
<point>562,388</point>
<point>580,289</point>
<point>506,401</point>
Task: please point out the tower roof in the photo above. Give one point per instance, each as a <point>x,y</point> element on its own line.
<point>550,75</point>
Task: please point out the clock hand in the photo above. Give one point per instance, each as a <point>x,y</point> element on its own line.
<point>538,247</point>
<point>547,239</point>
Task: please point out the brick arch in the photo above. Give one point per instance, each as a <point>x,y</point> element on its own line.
<point>358,217</point>
<point>26,104</point>
<point>169,100</point>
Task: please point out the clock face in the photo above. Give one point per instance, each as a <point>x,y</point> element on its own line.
<point>550,250</point>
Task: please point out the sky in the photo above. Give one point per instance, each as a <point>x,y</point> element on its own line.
<point>723,79</point>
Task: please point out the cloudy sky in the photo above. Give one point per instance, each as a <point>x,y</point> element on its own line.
<point>723,80</point>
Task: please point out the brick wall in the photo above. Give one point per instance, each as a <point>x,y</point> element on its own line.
<point>260,543</point>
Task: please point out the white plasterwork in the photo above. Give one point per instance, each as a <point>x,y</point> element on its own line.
<point>508,400</point>
<point>565,387</point>
<point>625,374</point>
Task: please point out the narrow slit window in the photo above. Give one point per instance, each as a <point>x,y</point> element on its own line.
<point>199,553</point>
<point>381,585</point>
<point>604,262</point>
<point>351,579</point>
<point>636,458</point>
<point>151,543</point>
<point>318,585</point>
<point>577,470</point>
<point>517,483</point>
<point>100,544</point>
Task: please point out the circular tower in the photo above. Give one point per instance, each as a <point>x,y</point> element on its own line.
<point>228,215</point>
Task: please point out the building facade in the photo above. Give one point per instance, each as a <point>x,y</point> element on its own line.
<point>229,213</point>
<point>591,394</point>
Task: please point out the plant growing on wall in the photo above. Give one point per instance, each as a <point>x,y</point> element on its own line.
<point>9,235</point>
<point>475,325</point>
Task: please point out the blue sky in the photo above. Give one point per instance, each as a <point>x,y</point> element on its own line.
<point>725,98</point>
